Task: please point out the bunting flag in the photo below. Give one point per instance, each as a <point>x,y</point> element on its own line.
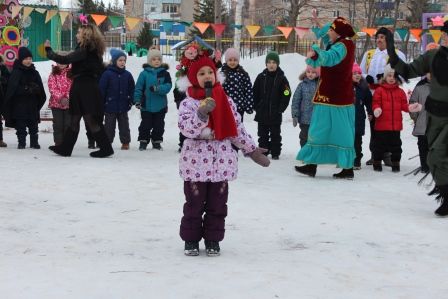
<point>268,30</point>
<point>15,10</point>
<point>50,15</point>
<point>201,26</point>
<point>219,28</point>
<point>115,20</point>
<point>132,22</point>
<point>253,30</point>
<point>285,30</point>
<point>26,12</point>
<point>436,35</point>
<point>239,27</point>
<point>416,33</point>
<point>402,32</point>
<point>369,31</point>
<point>40,10</point>
<point>301,31</point>
<point>63,15</point>
<point>98,19</point>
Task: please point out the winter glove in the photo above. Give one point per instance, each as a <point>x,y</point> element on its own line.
<point>416,107</point>
<point>294,122</point>
<point>64,102</point>
<point>258,157</point>
<point>377,112</point>
<point>138,106</point>
<point>205,108</point>
<point>370,79</point>
<point>379,77</point>
<point>390,45</point>
<point>153,88</point>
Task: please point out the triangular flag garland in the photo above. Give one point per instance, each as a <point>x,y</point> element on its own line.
<point>369,31</point>
<point>202,27</point>
<point>268,30</point>
<point>40,10</point>
<point>132,22</point>
<point>98,19</point>
<point>115,20</point>
<point>402,32</point>
<point>253,30</point>
<point>416,33</point>
<point>301,31</point>
<point>239,27</point>
<point>26,12</point>
<point>50,15</point>
<point>15,10</point>
<point>436,35</point>
<point>285,30</point>
<point>63,15</point>
<point>218,28</point>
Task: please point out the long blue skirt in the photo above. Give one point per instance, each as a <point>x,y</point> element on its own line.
<point>331,137</point>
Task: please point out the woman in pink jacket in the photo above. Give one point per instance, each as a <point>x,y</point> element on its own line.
<point>59,85</point>
<point>208,161</point>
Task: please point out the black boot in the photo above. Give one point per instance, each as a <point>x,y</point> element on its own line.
<point>22,142</point>
<point>143,145</point>
<point>308,169</point>
<point>345,174</point>
<point>377,166</point>
<point>396,166</point>
<point>104,144</point>
<point>34,141</point>
<point>442,211</point>
<point>91,144</point>
<point>66,147</point>
<point>387,159</point>
<point>212,248</point>
<point>191,248</point>
<point>157,145</point>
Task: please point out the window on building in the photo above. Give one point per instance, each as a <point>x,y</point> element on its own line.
<point>335,13</point>
<point>170,8</point>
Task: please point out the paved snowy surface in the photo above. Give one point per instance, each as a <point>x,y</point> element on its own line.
<point>108,228</point>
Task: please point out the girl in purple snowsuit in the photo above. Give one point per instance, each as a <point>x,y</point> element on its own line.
<point>208,161</point>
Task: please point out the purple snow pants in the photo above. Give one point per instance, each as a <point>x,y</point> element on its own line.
<point>211,199</point>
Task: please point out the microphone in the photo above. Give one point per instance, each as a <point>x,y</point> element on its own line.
<point>208,89</point>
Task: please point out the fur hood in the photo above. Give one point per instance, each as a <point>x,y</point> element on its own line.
<point>163,65</point>
<point>183,83</point>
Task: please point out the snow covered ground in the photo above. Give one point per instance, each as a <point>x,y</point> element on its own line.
<point>108,228</point>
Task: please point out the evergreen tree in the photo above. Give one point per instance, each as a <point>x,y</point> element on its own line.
<point>87,6</point>
<point>144,39</point>
<point>205,12</point>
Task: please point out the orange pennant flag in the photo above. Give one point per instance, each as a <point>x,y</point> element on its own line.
<point>201,26</point>
<point>369,31</point>
<point>253,30</point>
<point>132,22</point>
<point>416,33</point>
<point>15,10</point>
<point>63,15</point>
<point>27,11</point>
<point>436,35</point>
<point>98,19</point>
<point>285,30</point>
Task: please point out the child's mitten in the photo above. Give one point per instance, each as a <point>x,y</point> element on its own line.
<point>294,122</point>
<point>377,112</point>
<point>258,157</point>
<point>206,107</point>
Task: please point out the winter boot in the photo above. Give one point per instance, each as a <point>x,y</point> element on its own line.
<point>21,145</point>
<point>275,157</point>
<point>91,144</point>
<point>396,166</point>
<point>34,141</point>
<point>22,142</point>
<point>68,143</point>
<point>104,144</point>
<point>357,164</point>
<point>345,174</point>
<point>157,145</point>
<point>308,169</point>
<point>387,159</point>
<point>143,145</point>
<point>369,162</point>
<point>212,248</point>
<point>442,211</point>
<point>191,248</point>
<point>3,144</point>
<point>125,146</point>
<point>377,166</point>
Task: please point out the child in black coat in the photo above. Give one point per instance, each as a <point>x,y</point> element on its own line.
<point>271,98</point>
<point>24,98</point>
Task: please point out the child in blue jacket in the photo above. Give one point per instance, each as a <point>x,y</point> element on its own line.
<point>117,88</point>
<point>153,84</point>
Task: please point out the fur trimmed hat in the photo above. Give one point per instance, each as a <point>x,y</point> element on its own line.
<point>343,27</point>
<point>154,53</point>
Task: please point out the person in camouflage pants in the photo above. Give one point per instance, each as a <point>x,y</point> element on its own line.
<point>435,62</point>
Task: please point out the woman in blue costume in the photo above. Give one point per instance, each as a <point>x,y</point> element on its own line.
<point>332,129</point>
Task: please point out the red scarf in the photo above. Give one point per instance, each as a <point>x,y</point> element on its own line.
<point>221,119</point>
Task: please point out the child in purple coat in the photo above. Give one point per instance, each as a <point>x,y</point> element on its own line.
<point>211,124</point>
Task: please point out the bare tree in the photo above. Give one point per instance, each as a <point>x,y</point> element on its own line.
<point>296,7</point>
<point>218,20</point>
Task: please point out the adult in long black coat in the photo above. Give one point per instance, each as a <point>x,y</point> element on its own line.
<point>85,97</point>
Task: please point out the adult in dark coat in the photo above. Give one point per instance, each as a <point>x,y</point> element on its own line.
<point>4,76</point>
<point>85,96</point>
<point>24,98</point>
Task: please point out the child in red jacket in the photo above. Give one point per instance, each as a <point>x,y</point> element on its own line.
<point>389,100</point>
